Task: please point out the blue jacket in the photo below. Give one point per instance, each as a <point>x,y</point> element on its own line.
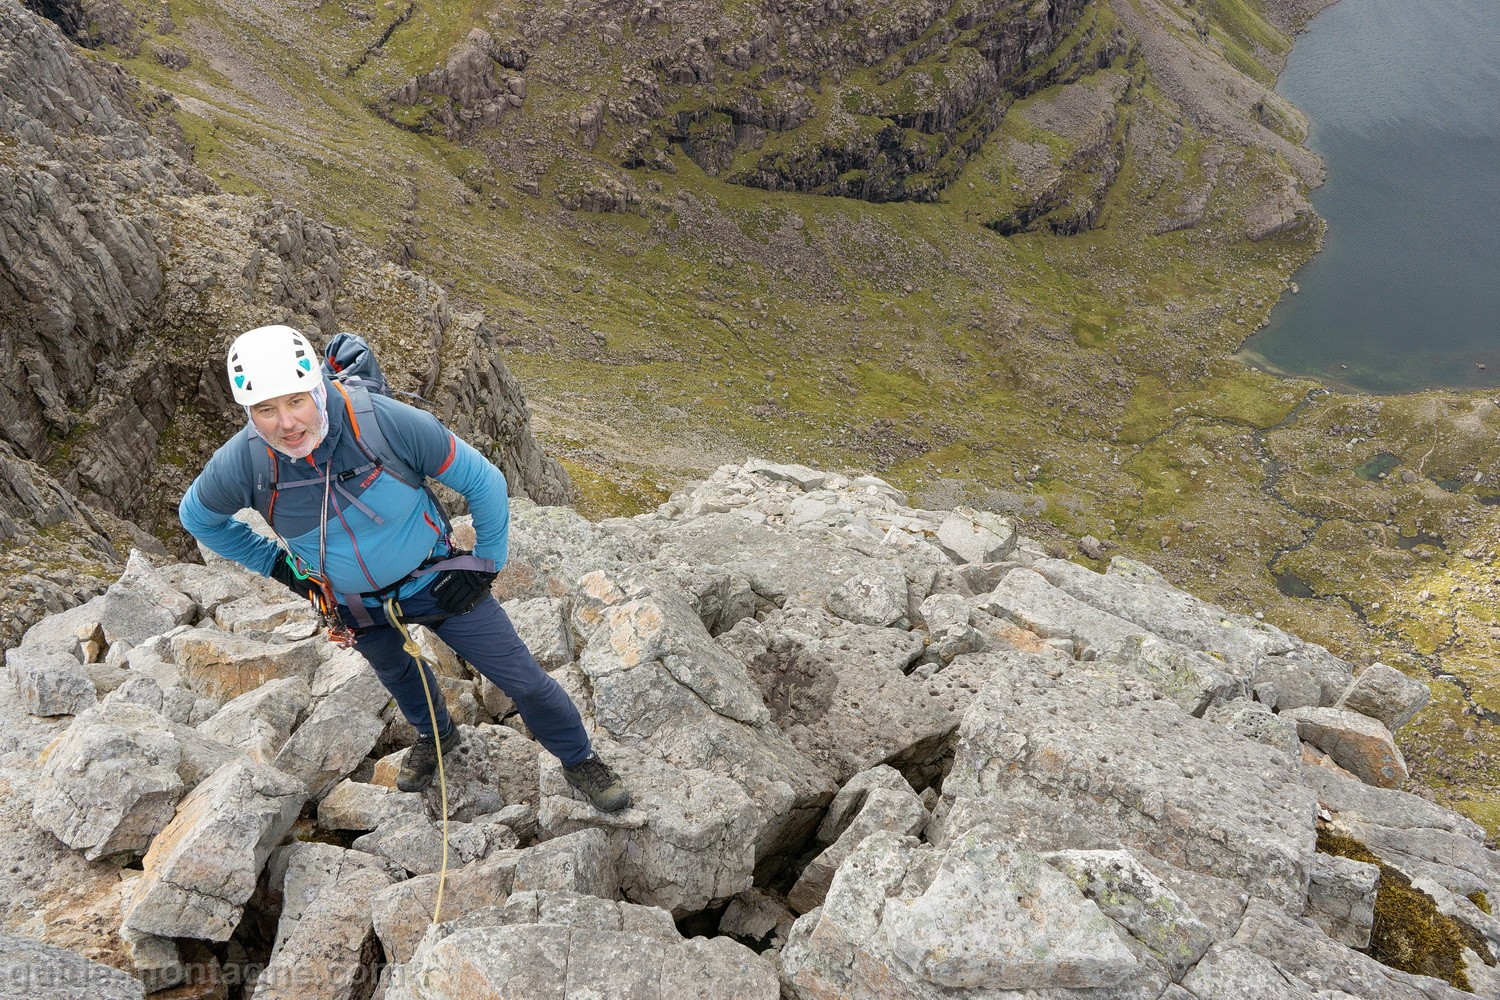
<point>378,528</point>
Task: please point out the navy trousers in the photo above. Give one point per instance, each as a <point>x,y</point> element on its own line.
<point>488,641</point>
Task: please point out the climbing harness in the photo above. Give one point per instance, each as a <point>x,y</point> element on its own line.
<point>393,615</point>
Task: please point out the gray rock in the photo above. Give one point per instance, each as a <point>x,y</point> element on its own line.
<point>30,970</point>
<point>225,666</point>
<point>412,841</point>
<point>799,476</point>
<point>543,626</point>
<point>1421,839</point>
<point>340,732</point>
<point>49,682</point>
<point>259,722</point>
<point>475,841</point>
<point>582,862</point>
<point>155,961</point>
<point>1255,721</point>
<point>551,548</point>
<point>494,767</point>
<point>354,805</point>
<point>658,682</point>
<point>897,811</point>
<point>211,587</point>
<point>687,842</point>
<point>1129,894</point>
<point>1357,743</point>
<point>114,779</point>
<point>552,944</point>
<point>202,868</point>
<point>1341,899</point>
<point>325,942</point>
<point>842,695</point>
<point>1230,973</point>
<point>851,799</point>
<point>1386,694</point>
<point>870,600</point>
<point>255,618</point>
<point>975,536</point>
<point>757,918</point>
<point>1192,680</point>
<point>129,615</point>
<point>907,920</point>
<point>402,913</point>
<point>1084,764</point>
<point>1299,949</point>
<point>943,612</point>
<point>782,567</point>
<point>1302,673</point>
<point>1025,597</point>
<point>146,582</point>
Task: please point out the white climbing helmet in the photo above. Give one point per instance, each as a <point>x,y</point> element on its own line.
<point>271,361</point>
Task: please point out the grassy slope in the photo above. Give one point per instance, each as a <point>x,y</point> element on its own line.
<point>1084,381</point>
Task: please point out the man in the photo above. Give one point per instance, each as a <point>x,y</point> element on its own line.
<point>356,531</point>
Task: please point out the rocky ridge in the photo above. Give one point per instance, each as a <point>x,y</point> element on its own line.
<point>123,276</point>
<point>877,751</point>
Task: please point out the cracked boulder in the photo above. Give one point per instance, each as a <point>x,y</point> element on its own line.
<point>1421,839</point>
<point>687,841</point>
<point>325,947</point>
<point>1285,671</point>
<point>202,868</point>
<point>895,810</point>
<point>114,779</point>
<point>582,862</point>
<point>259,722</point>
<point>545,945</point>
<point>36,971</point>
<point>654,681</point>
<point>1357,743</point>
<point>224,666</point>
<point>50,682</point>
<point>1341,899</point>
<point>915,921</point>
<point>1385,694</point>
<point>339,733</point>
<point>1128,893</point>
<point>842,694</point>
<point>1059,759</point>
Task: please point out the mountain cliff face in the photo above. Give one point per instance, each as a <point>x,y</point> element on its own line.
<point>123,276</point>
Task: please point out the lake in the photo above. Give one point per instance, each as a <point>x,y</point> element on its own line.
<point>1404,101</point>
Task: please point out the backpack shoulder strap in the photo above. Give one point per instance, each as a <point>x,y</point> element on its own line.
<point>371,438</point>
<point>263,485</point>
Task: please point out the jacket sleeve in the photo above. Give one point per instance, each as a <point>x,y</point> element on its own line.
<point>483,485</point>
<point>207,512</point>
<point>433,450</point>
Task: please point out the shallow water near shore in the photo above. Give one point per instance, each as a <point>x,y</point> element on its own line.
<point>1404,101</point>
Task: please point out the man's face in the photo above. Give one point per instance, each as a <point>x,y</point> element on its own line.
<point>288,423</point>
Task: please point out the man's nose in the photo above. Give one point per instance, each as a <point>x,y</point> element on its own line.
<point>286,419</point>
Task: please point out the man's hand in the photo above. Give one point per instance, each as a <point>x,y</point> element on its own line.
<point>457,591</point>
<point>284,572</point>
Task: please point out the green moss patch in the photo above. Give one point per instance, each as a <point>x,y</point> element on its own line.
<point>1409,933</point>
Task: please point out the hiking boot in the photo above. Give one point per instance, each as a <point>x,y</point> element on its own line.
<point>421,760</point>
<point>603,786</point>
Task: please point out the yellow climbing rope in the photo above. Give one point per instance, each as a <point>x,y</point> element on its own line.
<point>393,615</point>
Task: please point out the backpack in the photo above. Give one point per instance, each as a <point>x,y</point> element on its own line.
<point>350,363</point>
